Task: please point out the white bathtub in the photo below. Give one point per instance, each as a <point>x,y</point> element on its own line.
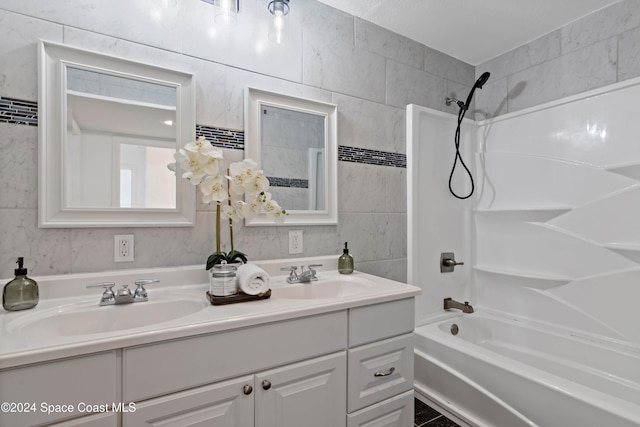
<point>502,372</point>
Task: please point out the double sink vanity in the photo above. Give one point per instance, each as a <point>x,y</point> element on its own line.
<point>336,352</point>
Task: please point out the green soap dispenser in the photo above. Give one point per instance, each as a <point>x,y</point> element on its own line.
<point>345,262</point>
<point>22,292</point>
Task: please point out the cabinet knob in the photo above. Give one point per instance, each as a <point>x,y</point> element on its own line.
<point>247,389</point>
<point>266,384</point>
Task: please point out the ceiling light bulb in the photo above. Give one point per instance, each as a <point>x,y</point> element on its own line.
<point>225,5</point>
<point>279,9</point>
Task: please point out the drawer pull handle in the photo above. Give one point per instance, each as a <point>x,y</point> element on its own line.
<point>266,384</point>
<point>385,374</point>
<point>247,389</point>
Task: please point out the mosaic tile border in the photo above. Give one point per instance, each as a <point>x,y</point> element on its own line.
<point>371,157</point>
<point>288,182</point>
<point>23,112</point>
<point>223,138</point>
<point>18,111</point>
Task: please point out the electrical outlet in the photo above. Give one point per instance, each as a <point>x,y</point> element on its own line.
<point>295,242</point>
<point>123,248</point>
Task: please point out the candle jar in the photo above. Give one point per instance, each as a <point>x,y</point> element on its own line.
<point>222,280</point>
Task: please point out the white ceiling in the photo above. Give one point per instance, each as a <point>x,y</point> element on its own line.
<point>473,31</point>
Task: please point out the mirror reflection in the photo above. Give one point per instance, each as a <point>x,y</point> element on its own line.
<point>120,135</point>
<point>293,157</point>
<point>295,141</point>
<point>107,129</point>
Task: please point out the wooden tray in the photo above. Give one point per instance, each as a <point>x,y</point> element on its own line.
<point>239,297</point>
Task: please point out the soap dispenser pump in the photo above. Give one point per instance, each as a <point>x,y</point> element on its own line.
<point>345,262</point>
<point>22,292</point>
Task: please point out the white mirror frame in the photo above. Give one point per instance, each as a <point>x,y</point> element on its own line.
<point>254,100</point>
<point>53,60</point>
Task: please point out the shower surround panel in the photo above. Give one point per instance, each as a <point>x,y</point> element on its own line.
<point>557,230</point>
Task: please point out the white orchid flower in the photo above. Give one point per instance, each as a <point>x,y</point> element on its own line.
<point>259,183</point>
<point>251,209</point>
<point>241,175</point>
<point>229,213</point>
<point>212,162</point>
<point>278,215</point>
<point>236,185</point>
<point>239,167</point>
<point>190,162</point>
<point>202,146</point>
<point>213,189</point>
<point>238,207</point>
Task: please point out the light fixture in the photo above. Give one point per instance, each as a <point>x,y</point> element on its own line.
<point>226,11</point>
<point>280,10</point>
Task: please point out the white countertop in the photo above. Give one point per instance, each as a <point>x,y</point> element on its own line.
<point>57,292</point>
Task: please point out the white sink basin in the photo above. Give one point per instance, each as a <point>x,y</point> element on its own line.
<point>90,318</point>
<point>324,289</point>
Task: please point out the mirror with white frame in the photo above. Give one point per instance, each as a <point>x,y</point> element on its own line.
<point>108,130</point>
<point>294,140</point>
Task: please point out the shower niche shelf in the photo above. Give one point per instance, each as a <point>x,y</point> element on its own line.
<point>526,278</point>
<point>539,214</point>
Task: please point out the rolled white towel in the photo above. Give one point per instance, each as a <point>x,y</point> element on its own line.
<point>252,280</point>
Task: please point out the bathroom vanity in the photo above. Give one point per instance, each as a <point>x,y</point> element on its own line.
<point>337,352</point>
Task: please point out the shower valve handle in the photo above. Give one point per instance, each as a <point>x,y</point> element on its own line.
<point>448,262</point>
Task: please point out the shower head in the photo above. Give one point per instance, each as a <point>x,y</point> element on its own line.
<point>482,80</point>
<point>477,85</point>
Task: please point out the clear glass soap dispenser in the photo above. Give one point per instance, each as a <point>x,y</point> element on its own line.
<point>345,262</point>
<point>22,292</point>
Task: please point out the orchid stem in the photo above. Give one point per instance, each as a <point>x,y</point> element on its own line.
<point>218,227</point>
<point>229,202</point>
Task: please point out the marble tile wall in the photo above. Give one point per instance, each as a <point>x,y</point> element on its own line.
<point>370,73</point>
<point>597,50</point>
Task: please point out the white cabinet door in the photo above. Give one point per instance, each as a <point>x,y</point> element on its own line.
<point>108,419</point>
<point>310,394</point>
<point>225,404</point>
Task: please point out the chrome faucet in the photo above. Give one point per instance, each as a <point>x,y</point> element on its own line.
<point>124,294</point>
<point>451,303</point>
<point>304,276</point>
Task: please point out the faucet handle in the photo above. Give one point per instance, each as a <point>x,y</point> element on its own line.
<point>312,270</point>
<point>142,282</point>
<point>141,293</point>
<point>293,276</point>
<point>106,285</point>
<point>108,296</point>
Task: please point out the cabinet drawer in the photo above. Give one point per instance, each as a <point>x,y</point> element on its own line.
<point>375,322</point>
<point>163,368</point>
<point>73,382</point>
<point>395,412</point>
<point>380,370</point>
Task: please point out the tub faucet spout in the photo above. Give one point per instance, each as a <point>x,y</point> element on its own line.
<point>451,303</point>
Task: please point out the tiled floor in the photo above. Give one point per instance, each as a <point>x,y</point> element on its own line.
<point>426,416</point>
